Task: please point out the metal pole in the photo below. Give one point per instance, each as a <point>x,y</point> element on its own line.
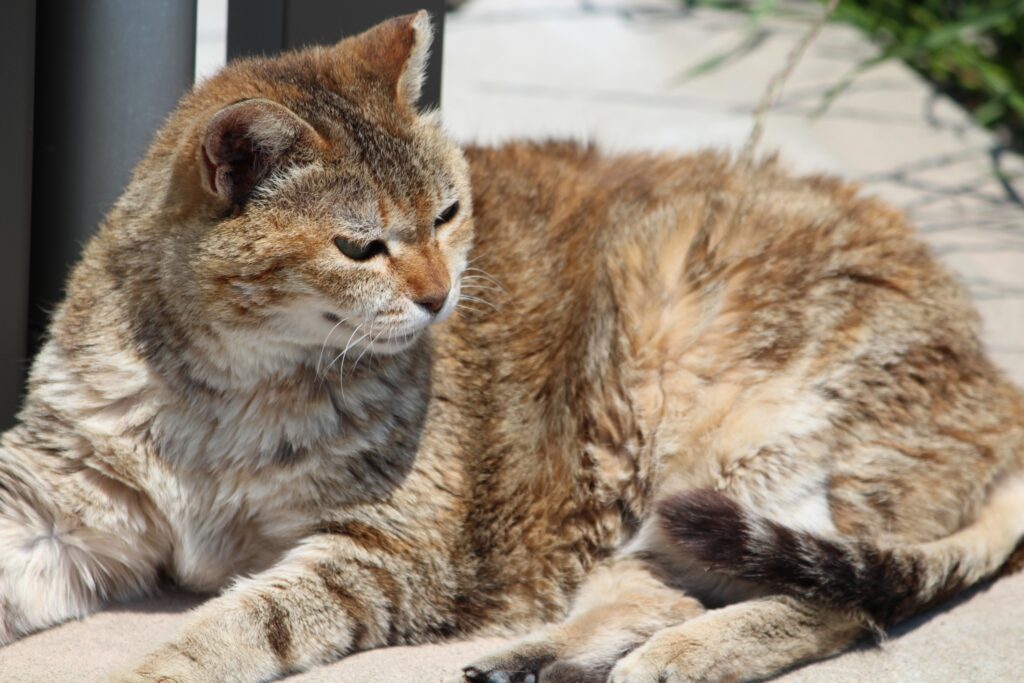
<point>107,73</point>
<point>270,26</point>
<point>17,53</point>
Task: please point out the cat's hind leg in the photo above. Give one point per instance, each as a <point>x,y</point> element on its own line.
<point>746,641</point>
<point>69,540</point>
<point>618,607</point>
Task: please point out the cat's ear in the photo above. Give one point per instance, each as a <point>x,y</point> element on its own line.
<point>243,142</point>
<point>397,51</point>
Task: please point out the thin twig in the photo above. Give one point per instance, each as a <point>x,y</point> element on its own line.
<point>774,90</point>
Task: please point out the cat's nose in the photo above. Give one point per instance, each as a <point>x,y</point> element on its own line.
<point>432,303</point>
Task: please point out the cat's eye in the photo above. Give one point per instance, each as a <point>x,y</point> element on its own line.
<point>446,215</point>
<point>360,251</point>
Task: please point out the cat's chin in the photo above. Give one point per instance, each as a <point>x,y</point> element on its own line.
<point>396,344</point>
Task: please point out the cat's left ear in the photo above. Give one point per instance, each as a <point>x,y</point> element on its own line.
<point>397,51</point>
<point>244,142</point>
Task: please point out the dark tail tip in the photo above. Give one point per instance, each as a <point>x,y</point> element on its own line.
<point>717,532</point>
<point>708,525</point>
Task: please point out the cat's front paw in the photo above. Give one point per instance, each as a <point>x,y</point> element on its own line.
<point>636,668</point>
<point>520,663</point>
<point>664,659</point>
<point>166,665</point>
<point>533,662</point>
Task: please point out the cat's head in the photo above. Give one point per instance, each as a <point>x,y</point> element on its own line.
<point>326,204</point>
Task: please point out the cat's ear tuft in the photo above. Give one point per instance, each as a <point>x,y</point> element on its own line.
<point>243,142</point>
<point>398,50</point>
<point>414,72</point>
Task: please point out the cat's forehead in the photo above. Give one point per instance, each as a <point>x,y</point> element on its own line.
<point>385,151</point>
<point>366,199</point>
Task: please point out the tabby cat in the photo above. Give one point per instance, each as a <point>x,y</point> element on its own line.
<point>716,419</point>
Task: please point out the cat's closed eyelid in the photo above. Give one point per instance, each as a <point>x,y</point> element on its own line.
<point>360,250</point>
<point>447,214</point>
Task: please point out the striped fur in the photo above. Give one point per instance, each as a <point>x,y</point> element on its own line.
<point>886,584</point>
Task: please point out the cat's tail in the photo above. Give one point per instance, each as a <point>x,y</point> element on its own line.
<point>887,584</point>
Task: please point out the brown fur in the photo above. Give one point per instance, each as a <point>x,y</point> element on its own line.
<point>632,328</point>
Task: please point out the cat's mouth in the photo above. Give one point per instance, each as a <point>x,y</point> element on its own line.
<point>394,342</point>
<point>385,338</point>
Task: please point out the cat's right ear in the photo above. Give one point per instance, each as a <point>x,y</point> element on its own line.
<point>242,144</point>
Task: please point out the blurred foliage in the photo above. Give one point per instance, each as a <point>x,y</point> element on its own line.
<point>972,50</point>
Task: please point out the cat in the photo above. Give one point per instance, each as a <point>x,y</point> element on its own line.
<point>670,418</point>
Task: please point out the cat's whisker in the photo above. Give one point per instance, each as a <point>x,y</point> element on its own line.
<point>323,346</point>
<point>480,272</point>
<point>365,349</point>
<point>477,258</point>
<point>482,293</point>
<point>341,356</point>
<point>480,278</point>
<point>369,331</point>
<point>341,367</point>
<point>387,366</point>
<point>473,269</point>
<point>469,297</point>
<point>478,298</point>
<point>466,307</point>
<point>483,286</point>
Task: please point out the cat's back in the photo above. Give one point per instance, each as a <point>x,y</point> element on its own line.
<point>569,187</point>
<point>732,276</point>
<point>570,196</point>
<point>540,206</point>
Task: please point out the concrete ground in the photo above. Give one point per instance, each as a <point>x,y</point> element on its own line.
<point>608,70</point>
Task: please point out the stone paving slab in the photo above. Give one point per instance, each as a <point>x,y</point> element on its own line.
<point>607,70</point>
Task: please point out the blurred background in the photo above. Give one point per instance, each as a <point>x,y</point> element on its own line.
<point>921,102</point>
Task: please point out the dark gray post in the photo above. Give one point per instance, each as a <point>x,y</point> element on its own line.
<point>17,54</point>
<point>107,73</point>
<point>269,26</point>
